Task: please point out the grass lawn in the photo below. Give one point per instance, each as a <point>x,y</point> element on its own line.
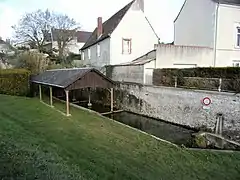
<point>37,142</point>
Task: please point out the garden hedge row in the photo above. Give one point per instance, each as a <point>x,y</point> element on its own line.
<point>14,82</point>
<point>199,77</point>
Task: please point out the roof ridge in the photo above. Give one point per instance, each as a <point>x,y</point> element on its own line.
<point>108,26</point>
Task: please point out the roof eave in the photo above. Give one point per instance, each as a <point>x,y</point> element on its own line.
<point>83,48</point>
<point>48,84</point>
<point>180,11</point>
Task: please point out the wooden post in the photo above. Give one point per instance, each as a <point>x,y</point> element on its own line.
<point>51,100</point>
<point>67,102</point>
<point>40,92</point>
<point>111,99</point>
<point>89,98</point>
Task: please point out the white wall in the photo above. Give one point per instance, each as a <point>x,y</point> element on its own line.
<point>135,26</point>
<point>170,56</point>
<point>130,73</point>
<point>4,48</point>
<point>148,72</point>
<point>195,24</point>
<point>103,59</point>
<point>73,46</point>
<point>228,17</point>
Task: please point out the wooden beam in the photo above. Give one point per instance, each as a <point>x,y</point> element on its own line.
<point>40,92</point>
<point>51,100</point>
<point>67,102</point>
<point>111,99</point>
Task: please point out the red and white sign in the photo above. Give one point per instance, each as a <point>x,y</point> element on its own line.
<point>206,101</point>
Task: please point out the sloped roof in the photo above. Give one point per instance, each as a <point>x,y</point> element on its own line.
<point>136,62</point>
<point>62,78</point>
<point>229,2</point>
<point>144,59</point>
<point>82,36</point>
<point>2,41</point>
<point>108,27</point>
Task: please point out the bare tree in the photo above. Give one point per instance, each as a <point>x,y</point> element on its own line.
<point>33,28</point>
<point>36,28</point>
<point>63,31</point>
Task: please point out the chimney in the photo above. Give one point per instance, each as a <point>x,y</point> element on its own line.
<point>141,4</point>
<point>138,5</point>
<point>99,27</point>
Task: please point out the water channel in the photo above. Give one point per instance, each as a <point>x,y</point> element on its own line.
<point>173,133</point>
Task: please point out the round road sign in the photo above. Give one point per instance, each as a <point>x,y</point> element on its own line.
<point>206,101</point>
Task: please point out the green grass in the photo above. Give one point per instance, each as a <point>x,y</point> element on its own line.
<point>37,142</point>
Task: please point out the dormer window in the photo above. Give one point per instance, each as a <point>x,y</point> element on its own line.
<point>126,46</point>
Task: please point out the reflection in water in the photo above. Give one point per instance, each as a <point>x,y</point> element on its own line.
<point>96,107</point>
<point>163,130</point>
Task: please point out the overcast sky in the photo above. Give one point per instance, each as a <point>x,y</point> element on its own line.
<point>161,13</point>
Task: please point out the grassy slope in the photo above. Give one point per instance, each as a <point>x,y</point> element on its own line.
<point>38,142</point>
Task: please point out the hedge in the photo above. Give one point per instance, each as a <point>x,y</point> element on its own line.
<point>14,82</point>
<point>188,77</point>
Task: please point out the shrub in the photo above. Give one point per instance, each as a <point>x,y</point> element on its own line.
<point>33,61</point>
<point>14,82</point>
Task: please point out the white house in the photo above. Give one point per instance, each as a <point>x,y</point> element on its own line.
<point>5,47</point>
<point>123,37</point>
<point>80,38</point>
<point>211,23</point>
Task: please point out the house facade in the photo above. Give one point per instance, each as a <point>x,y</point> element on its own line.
<point>211,23</point>
<point>5,47</point>
<point>80,38</point>
<point>123,37</point>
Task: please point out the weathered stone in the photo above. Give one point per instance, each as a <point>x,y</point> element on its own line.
<point>182,106</point>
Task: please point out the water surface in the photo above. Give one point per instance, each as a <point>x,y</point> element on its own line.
<point>173,133</point>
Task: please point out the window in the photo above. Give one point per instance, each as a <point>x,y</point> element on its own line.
<point>236,63</point>
<point>82,55</point>
<point>89,53</point>
<point>98,50</point>
<point>126,46</point>
<point>238,37</point>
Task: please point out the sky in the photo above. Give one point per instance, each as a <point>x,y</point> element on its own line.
<point>161,13</point>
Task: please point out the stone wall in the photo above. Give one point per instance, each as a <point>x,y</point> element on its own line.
<point>181,106</point>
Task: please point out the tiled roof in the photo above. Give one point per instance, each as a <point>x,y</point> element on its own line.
<point>64,77</point>
<point>59,77</point>
<point>108,27</point>
<point>82,36</point>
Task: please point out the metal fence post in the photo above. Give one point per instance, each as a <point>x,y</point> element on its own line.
<point>220,85</point>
